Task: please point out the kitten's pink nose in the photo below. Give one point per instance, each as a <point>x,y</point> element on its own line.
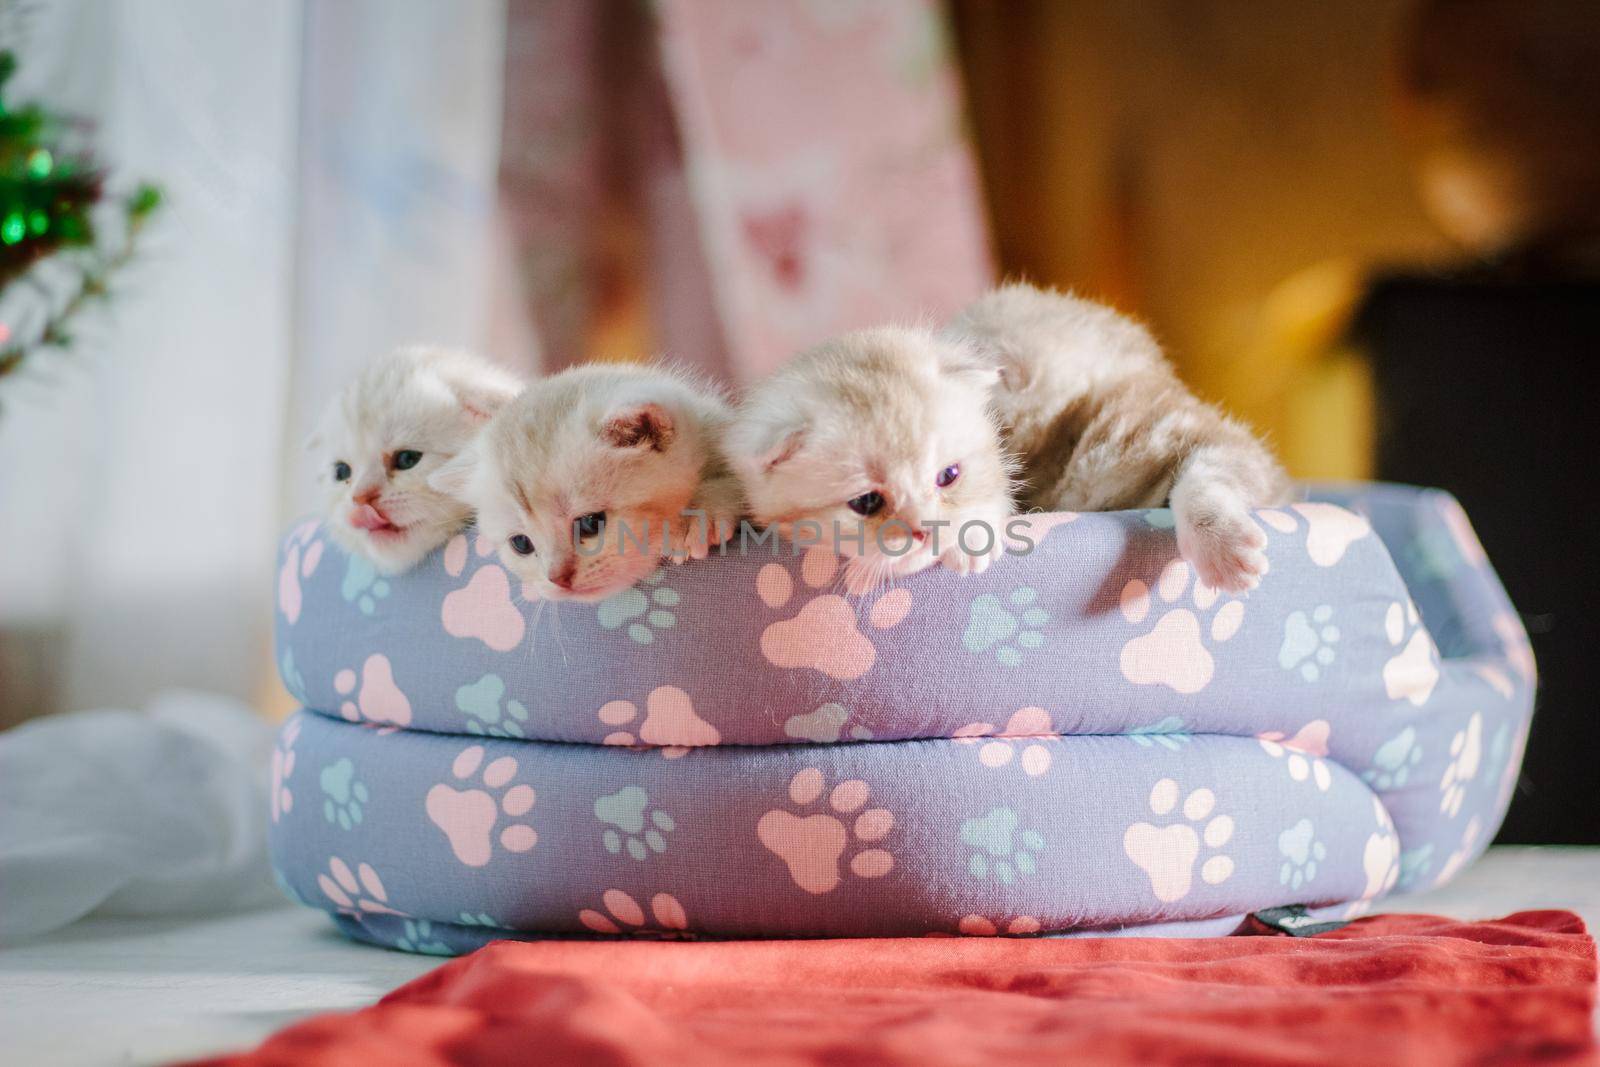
<point>367,495</point>
<point>919,535</point>
<point>563,574</point>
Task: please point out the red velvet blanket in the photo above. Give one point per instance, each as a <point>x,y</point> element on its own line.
<point>1393,989</point>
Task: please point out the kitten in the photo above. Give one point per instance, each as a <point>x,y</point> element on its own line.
<point>883,433</point>
<point>397,422</point>
<point>583,481</point>
<point>1102,423</point>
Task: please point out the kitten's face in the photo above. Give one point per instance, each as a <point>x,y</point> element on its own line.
<point>580,495</point>
<point>883,432</point>
<point>380,440</point>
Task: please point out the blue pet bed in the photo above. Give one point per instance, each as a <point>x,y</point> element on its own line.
<point>1081,739</point>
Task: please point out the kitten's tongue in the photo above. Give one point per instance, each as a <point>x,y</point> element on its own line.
<point>367,517</point>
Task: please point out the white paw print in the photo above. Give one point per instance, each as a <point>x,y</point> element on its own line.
<point>1168,853</point>
<point>1303,754</point>
<point>1414,670</point>
<point>1174,652</point>
<point>1466,754</point>
<point>470,817</point>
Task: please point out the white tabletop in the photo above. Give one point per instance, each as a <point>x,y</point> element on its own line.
<point>147,991</point>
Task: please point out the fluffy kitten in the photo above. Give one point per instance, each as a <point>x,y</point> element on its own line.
<point>881,432</point>
<point>583,481</point>
<point>399,420</point>
<point>1102,423</point>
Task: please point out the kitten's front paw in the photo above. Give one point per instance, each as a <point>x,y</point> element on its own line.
<point>963,562</point>
<point>700,534</point>
<point>1225,552</point>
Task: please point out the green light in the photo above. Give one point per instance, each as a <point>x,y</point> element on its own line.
<point>40,162</point>
<point>14,228</point>
<point>38,222</point>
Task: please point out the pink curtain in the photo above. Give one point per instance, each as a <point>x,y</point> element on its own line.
<point>738,180</point>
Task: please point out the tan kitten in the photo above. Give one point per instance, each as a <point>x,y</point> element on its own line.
<point>397,422</point>
<point>584,479</point>
<point>885,433</point>
<point>1102,423</point>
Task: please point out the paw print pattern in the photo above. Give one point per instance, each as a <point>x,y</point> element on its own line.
<point>362,586</point>
<point>1001,849</point>
<point>355,892</point>
<point>344,797</point>
<point>481,610</point>
<point>825,726</point>
<point>471,819</point>
<point>1308,642</point>
<point>1167,854</point>
<point>1168,733</point>
<point>300,561</point>
<point>1395,759</point>
<point>1304,754</point>
<point>1466,755</point>
<point>1173,653</point>
<point>632,823</point>
<point>1301,852</point>
<point>644,609</point>
<point>670,723</point>
<point>379,698</point>
<point>1009,628</point>
<point>417,936</point>
<point>486,711</point>
<point>293,679</point>
<point>283,761</point>
<point>982,926</point>
<point>623,915</point>
<point>1330,529</point>
<point>813,845</point>
<point>1027,732</point>
<point>1414,670</point>
<point>825,634</point>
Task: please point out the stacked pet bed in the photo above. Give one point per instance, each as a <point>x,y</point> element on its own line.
<point>1081,739</point>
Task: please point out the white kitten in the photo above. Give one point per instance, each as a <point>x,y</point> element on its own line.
<point>397,422</point>
<point>583,480</point>
<point>885,435</point>
<point>1102,423</point>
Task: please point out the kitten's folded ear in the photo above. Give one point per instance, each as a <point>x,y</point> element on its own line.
<point>757,447</point>
<point>481,399</point>
<point>644,427</point>
<point>454,476</point>
<point>979,362</point>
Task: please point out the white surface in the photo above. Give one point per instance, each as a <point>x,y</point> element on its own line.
<point>160,812</point>
<point>137,991</point>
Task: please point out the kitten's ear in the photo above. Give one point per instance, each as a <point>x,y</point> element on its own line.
<point>644,427</point>
<point>480,400</point>
<point>454,476</point>
<point>982,364</point>
<point>782,446</point>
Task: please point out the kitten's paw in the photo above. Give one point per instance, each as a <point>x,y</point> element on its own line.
<point>703,533</point>
<point>963,562</point>
<point>1225,551</point>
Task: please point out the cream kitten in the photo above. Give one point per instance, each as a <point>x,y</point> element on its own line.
<point>1102,423</point>
<point>884,435</point>
<point>397,422</point>
<point>583,482</point>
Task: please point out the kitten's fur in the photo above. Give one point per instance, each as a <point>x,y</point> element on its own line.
<point>640,443</point>
<point>414,399</point>
<point>1102,423</point>
<point>882,410</point>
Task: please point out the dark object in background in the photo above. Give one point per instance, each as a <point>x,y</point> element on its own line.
<point>1488,386</point>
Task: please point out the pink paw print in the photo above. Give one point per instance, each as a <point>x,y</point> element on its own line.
<point>1176,650</point>
<point>1330,529</point>
<point>299,562</point>
<point>282,768</point>
<point>1027,732</point>
<point>624,915</point>
<point>379,698</point>
<point>981,926</point>
<point>825,635</point>
<point>670,723</point>
<point>813,845</point>
<point>482,609</point>
<point>355,892</point>
<point>471,819</point>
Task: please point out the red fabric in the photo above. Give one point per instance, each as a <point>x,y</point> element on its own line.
<point>1393,989</point>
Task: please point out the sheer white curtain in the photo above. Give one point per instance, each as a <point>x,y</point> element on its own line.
<point>330,173</point>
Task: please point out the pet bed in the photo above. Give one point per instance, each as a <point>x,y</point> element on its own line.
<point>1083,738</point>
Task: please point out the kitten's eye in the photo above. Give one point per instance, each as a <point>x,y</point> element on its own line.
<point>341,471</point>
<point>590,524</point>
<point>866,504</point>
<point>948,476</point>
<point>522,545</point>
<point>406,458</point>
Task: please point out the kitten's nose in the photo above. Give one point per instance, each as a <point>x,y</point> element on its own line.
<point>367,495</point>
<point>561,576</point>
